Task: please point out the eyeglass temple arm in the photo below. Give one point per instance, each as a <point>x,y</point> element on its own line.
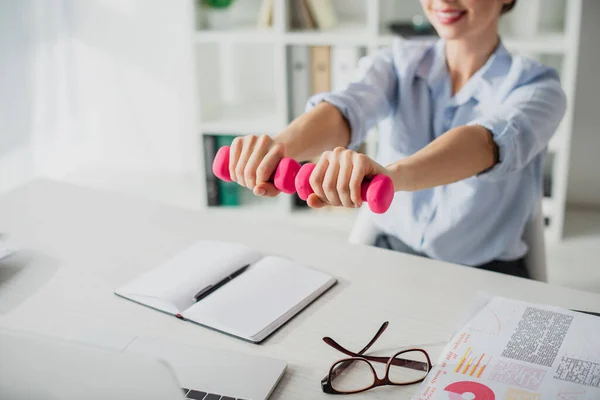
<point>341,367</point>
<point>399,362</point>
<point>335,345</point>
<point>372,342</point>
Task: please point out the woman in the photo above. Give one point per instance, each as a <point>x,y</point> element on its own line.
<point>464,128</point>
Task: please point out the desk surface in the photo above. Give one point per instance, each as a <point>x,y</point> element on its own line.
<point>79,244</point>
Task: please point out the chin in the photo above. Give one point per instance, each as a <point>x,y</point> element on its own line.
<point>449,33</point>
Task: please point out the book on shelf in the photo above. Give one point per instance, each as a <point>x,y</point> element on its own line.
<point>320,69</point>
<point>344,62</point>
<point>265,15</point>
<point>300,16</point>
<point>217,192</point>
<point>311,14</point>
<point>228,191</point>
<point>212,184</point>
<point>298,80</point>
<point>323,13</point>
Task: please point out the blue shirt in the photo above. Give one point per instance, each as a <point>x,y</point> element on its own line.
<point>407,90</point>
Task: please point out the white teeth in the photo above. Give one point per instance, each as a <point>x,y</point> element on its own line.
<point>449,14</point>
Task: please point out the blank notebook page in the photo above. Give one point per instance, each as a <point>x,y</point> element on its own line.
<point>257,298</point>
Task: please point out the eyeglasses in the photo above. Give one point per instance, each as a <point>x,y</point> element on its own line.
<point>356,373</point>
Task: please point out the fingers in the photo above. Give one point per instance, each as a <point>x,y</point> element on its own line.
<point>330,181</point>
<point>247,147</point>
<point>317,176</point>
<point>356,178</point>
<point>266,189</point>
<point>234,156</point>
<point>269,163</point>
<point>315,202</point>
<point>253,160</point>
<point>343,179</point>
<point>337,178</point>
<point>258,152</point>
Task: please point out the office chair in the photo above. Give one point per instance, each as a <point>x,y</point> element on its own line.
<point>364,232</point>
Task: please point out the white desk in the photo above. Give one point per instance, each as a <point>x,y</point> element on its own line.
<point>82,244</point>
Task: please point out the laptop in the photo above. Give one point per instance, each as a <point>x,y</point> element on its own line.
<point>106,367</point>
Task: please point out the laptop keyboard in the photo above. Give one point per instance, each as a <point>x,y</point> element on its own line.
<point>198,395</point>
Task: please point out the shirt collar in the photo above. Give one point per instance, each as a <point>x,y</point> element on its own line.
<point>434,71</point>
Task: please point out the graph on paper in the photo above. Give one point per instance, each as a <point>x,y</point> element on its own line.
<point>472,364</point>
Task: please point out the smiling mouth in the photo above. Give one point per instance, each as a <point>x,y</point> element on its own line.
<point>448,17</point>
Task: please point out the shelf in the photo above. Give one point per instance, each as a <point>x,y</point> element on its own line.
<point>355,33</point>
<point>244,119</point>
<point>547,206</point>
<point>242,34</point>
<point>386,39</point>
<point>348,33</point>
<point>546,43</point>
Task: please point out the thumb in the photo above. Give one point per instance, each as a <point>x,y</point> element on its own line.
<point>266,189</point>
<point>315,202</point>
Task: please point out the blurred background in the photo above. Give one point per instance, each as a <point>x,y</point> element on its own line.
<point>135,96</point>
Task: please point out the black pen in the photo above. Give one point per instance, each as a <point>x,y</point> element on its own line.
<point>211,288</point>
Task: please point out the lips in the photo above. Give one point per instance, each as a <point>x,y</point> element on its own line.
<point>448,17</point>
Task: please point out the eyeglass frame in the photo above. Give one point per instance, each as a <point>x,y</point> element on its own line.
<point>340,365</point>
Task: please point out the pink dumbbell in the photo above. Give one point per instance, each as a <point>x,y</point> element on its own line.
<point>377,192</point>
<point>283,178</point>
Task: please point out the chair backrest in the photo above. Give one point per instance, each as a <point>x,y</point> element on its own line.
<point>364,231</point>
<point>535,260</point>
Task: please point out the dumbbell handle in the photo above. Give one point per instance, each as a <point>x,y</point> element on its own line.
<point>283,178</point>
<point>378,192</point>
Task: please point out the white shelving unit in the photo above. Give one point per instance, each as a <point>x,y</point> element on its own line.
<point>243,88</point>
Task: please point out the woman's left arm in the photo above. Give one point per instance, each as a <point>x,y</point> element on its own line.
<point>491,146</point>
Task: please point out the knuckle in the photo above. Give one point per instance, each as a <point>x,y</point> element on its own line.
<point>339,150</point>
<point>261,171</point>
<point>239,171</point>
<point>314,182</point>
<point>343,188</point>
<point>264,139</point>
<point>236,142</point>
<point>359,157</point>
<point>279,149</point>
<point>249,172</point>
<point>250,139</point>
<point>329,186</point>
<point>327,155</point>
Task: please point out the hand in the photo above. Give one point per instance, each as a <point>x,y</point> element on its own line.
<point>252,161</point>
<point>338,176</point>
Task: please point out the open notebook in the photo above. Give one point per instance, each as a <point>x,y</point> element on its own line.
<point>251,305</point>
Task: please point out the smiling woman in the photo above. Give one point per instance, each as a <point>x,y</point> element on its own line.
<point>466,126</point>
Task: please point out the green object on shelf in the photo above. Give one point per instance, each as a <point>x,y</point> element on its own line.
<point>217,3</point>
<point>228,191</point>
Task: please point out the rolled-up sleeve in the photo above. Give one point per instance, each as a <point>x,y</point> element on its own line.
<point>368,99</point>
<point>524,124</point>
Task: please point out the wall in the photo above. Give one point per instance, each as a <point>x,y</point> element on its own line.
<point>134,73</point>
<point>103,82</point>
<point>584,173</point>
<point>16,108</point>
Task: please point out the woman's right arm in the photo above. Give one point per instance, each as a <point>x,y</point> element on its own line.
<point>253,159</point>
<point>334,119</point>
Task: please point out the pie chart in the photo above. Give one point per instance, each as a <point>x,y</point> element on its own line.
<point>473,390</point>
